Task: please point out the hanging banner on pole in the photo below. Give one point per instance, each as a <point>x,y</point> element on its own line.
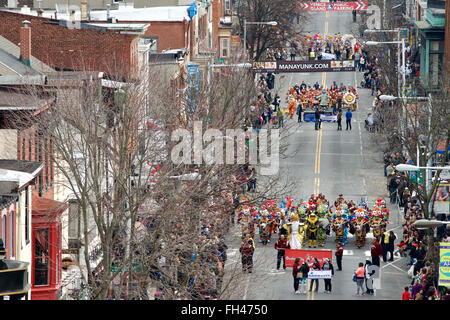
<point>304,66</point>
<point>335,6</point>
<point>444,264</point>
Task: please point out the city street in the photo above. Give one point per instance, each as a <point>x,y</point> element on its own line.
<point>328,162</point>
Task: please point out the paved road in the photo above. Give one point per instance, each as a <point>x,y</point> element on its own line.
<point>330,162</point>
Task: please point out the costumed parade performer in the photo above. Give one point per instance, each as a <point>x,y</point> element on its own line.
<point>377,223</point>
<point>263,225</point>
<point>312,228</point>
<point>360,227</point>
<point>295,232</point>
<point>339,226</point>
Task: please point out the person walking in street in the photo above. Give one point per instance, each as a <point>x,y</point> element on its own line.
<point>304,269</point>
<point>281,245</point>
<point>299,112</point>
<point>280,117</point>
<point>247,249</point>
<point>406,295</point>
<point>339,253</point>
<point>339,120</point>
<point>296,274</point>
<point>293,54</point>
<point>384,243</point>
<point>317,118</point>
<point>391,245</point>
<point>315,266</point>
<point>328,266</point>
<point>348,119</point>
<point>369,280</point>
<point>360,276</point>
<point>375,252</point>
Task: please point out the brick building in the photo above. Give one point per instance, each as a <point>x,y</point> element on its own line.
<point>65,48</point>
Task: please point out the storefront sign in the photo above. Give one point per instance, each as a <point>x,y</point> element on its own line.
<point>335,6</point>
<point>305,66</point>
<point>292,254</point>
<point>319,274</point>
<point>444,264</point>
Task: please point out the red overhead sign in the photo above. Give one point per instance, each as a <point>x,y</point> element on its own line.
<point>335,6</point>
<point>320,254</point>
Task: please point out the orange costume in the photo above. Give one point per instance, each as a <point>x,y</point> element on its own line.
<point>292,106</point>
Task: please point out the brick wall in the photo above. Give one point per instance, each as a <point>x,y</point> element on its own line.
<point>72,49</point>
<point>170,34</point>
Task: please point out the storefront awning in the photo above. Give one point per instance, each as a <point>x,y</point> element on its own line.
<point>44,206</point>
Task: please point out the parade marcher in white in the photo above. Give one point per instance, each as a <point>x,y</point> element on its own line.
<point>295,229</point>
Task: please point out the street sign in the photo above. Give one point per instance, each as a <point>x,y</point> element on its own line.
<point>304,66</point>
<point>136,268</point>
<point>413,176</point>
<point>335,6</point>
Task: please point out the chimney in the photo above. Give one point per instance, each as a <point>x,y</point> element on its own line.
<point>25,43</point>
<point>84,16</point>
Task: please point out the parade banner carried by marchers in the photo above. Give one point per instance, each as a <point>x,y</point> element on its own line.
<point>304,66</point>
<point>444,264</point>
<point>304,254</point>
<point>319,274</point>
<point>335,6</point>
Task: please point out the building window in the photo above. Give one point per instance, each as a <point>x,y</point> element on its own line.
<point>27,215</point>
<point>41,257</point>
<point>224,47</point>
<point>11,234</point>
<point>30,138</point>
<point>74,220</point>
<point>4,226</point>
<point>153,41</point>
<point>228,7</point>
<point>24,140</point>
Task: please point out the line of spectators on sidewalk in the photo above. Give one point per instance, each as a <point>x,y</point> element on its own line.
<point>423,271</point>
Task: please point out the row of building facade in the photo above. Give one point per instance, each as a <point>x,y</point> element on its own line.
<point>44,44</point>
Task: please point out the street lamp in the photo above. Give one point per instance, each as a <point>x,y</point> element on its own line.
<point>269,23</point>
<point>402,63</point>
<point>385,97</point>
<point>409,167</point>
<point>428,224</point>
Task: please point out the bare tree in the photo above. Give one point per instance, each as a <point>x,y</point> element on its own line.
<point>157,222</point>
<point>287,14</point>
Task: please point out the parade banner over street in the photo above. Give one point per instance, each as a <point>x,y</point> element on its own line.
<point>335,6</point>
<point>304,66</point>
<point>444,264</point>
<point>320,254</point>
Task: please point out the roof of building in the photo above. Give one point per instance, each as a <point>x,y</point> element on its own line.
<point>163,14</point>
<point>20,165</point>
<point>15,65</point>
<point>20,171</point>
<point>10,100</point>
<point>63,47</point>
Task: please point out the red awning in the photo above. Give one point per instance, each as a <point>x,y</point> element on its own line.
<point>44,206</point>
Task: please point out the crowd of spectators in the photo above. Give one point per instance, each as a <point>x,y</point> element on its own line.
<point>423,266</point>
